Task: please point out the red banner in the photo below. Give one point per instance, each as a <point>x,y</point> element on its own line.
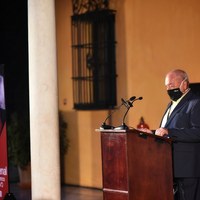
<point>3,141</point>
<point>3,164</point>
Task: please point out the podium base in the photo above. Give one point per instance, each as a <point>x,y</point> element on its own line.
<point>122,127</point>
<point>106,127</point>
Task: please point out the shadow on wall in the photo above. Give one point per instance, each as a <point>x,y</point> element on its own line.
<point>71,165</point>
<point>83,161</point>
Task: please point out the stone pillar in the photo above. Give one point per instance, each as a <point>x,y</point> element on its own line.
<point>45,164</point>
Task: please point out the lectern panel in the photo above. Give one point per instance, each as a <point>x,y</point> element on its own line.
<point>114,161</point>
<point>149,161</point>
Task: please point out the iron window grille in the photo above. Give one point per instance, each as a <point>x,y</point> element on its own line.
<point>93,60</point>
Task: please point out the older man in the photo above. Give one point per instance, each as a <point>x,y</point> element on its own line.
<point>181,122</point>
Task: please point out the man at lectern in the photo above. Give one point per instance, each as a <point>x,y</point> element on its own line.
<point>181,122</point>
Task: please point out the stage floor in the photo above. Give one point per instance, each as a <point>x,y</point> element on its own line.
<point>67,192</point>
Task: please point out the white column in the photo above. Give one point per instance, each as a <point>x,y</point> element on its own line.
<point>45,163</point>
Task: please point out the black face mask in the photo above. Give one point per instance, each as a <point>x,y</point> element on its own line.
<point>175,94</point>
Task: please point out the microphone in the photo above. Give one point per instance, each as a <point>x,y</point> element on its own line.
<point>124,102</point>
<point>127,103</point>
<point>104,125</point>
<point>124,126</point>
<point>139,98</point>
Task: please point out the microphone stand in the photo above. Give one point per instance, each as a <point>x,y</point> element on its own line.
<point>124,126</point>
<point>129,105</point>
<point>125,103</point>
<point>106,126</point>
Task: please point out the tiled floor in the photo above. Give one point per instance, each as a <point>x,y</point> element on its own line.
<point>67,192</point>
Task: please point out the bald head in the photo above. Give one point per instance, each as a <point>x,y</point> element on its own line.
<point>177,79</point>
<point>178,73</point>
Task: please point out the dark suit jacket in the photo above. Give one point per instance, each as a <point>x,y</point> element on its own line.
<point>184,127</point>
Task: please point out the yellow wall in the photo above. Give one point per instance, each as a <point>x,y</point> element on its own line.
<point>153,37</point>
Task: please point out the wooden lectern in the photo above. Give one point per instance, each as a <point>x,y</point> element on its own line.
<point>136,166</point>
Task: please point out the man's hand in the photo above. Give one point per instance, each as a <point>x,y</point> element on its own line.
<point>161,132</point>
<point>146,130</point>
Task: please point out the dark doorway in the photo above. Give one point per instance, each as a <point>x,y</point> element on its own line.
<point>14,55</point>
<point>195,87</point>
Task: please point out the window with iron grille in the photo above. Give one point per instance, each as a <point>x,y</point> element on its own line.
<point>93,60</point>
